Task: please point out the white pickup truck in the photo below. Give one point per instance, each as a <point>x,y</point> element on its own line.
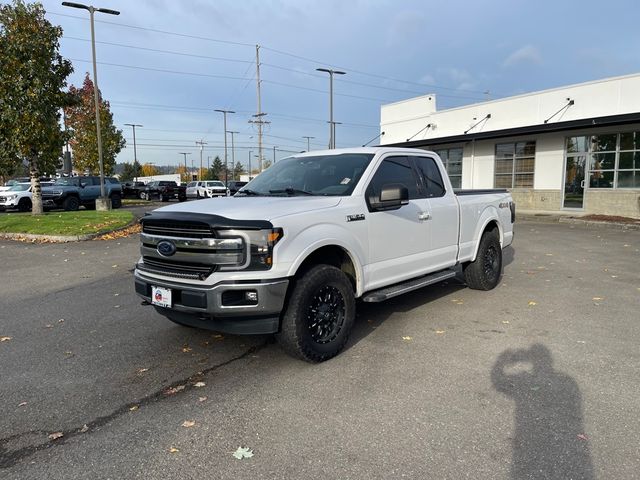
<point>292,251</point>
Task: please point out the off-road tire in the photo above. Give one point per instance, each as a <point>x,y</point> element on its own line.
<point>142,195</point>
<point>198,197</point>
<point>71,203</point>
<point>484,272</point>
<point>182,198</point>
<point>116,201</point>
<point>330,292</point>
<point>24,205</point>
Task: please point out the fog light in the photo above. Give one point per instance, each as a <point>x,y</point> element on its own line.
<point>251,295</point>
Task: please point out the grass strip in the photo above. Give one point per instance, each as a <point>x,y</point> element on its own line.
<point>82,222</point>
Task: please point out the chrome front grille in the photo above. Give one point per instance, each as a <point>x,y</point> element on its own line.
<point>198,250</point>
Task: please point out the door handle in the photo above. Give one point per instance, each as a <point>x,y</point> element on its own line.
<point>424,216</point>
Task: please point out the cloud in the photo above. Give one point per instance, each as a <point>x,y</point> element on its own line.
<point>527,54</point>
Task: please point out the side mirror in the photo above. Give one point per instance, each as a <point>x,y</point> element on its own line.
<point>392,197</point>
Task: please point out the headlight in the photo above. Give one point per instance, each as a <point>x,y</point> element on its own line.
<point>12,197</point>
<point>260,249</point>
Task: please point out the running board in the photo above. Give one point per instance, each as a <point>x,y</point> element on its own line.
<point>398,289</point>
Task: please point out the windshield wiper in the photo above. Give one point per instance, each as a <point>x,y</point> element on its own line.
<point>291,191</point>
<point>248,191</point>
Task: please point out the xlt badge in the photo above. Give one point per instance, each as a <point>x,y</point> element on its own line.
<point>355,218</point>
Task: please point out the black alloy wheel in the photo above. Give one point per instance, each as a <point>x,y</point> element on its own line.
<point>326,314</point>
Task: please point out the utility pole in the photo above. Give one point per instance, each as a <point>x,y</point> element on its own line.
<point>202,143</point>
<point>259,114</point>
<point>104,204</point>
<point>274,154</point>
<point>186,172</point>
<point>332,126</point>
<point>134,125</point>
<point>308,142</point>
<point>233,156</point>
<point>250,152</point>
<point>226,168</point>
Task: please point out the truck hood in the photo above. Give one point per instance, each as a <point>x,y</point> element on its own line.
<point>254,208</point>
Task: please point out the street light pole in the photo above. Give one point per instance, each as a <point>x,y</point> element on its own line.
<point>226,167</point>
<point>233,156</point>
<point>92,10</point>
<point>332,130</point>
<point>308,142</point>
<point>202,143</point>
<point>274,154</point>
<point>186,171</point>
<point>250,152</point>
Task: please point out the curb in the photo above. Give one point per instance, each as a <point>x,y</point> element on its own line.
<point>63,238</point>
<point>551,218</point>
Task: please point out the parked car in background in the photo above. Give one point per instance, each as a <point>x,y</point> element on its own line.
<point>133,189</point>
<point>17,196</point>
<point>206,189</point>
<point>72,192</point>
<point>234,186</point>
<point>15,181</point>
<point>165,190</point>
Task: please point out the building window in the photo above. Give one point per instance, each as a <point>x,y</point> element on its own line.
<point>613,158</point>
<point>515,163</point>
<point>452,159</point>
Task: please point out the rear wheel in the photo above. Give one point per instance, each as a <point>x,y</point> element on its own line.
<point>319,316</point>
<point>484,272</point>
<point>182,198</point>
<point>71,204</point>
<point>142,195</point>
<point>24,205</point>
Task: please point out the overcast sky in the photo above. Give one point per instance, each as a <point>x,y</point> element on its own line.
<point>192,56</point>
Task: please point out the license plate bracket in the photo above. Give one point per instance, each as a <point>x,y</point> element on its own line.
<point>161,296</point>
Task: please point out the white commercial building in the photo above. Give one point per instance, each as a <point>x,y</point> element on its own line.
<point>573,148</point>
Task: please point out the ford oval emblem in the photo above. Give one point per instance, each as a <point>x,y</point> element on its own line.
<point>166,248</point>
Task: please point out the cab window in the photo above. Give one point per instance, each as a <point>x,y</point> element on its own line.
<point>430,176</point>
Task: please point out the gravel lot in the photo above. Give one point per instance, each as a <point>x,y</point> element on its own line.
<point>535,379</point>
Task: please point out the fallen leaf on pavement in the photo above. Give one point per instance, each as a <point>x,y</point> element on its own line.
<point>114,266</point>
<point>582,436</point>
<point>133,408</point>
<point>439,332</point>
<point>84,429</point>
<point>597,298</point>
<point>532,303</point>
<point>202,399</point>
<point>142,370</point>
<point>188,423</point>
<point>407,339</point>
<point>22,404</point>
<point>174,390</point>
<point>186,349</point>
<point>48,325</point>
<point>56,435</point>
<point>505,322</point>
<point>5,339</point>
<point>243,452</point>
<point>173,450</point>
<point>199,384</point>
<point>61,320</point>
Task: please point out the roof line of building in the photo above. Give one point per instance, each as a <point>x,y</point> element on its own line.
<point>610,120</point>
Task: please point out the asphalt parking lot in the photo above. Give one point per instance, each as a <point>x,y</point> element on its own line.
<point>535,379</point>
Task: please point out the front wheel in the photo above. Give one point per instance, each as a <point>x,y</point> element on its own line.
<point>319,316</point>
<point>484,272</point>
<point>142,195</point>
<point>24,205</point>
<point>71,204</point>
<point>116,201</point>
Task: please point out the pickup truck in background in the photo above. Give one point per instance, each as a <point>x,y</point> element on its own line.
<point>292,251</point>
<point>70,193</point>
<point>165,190</point>
<point>133,189</point>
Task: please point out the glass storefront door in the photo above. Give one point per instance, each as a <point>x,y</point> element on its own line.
<point>574,181</point>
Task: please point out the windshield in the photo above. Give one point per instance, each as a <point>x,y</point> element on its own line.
<point>335,175</point>
<point>20,187</point>
<point>66,181</point>
<point>215,184</point>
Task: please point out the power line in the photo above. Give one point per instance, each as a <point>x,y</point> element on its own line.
<point>281,52</point>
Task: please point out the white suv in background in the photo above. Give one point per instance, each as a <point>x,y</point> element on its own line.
<point>206,189</point>
<point>16,196</point>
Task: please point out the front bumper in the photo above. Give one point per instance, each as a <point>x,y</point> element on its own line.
<point>222,307</point>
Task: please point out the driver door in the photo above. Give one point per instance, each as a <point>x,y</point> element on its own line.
<point>398,239</point>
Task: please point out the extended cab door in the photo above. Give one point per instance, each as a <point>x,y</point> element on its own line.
<point>443,213</point>
<point>398,239</point>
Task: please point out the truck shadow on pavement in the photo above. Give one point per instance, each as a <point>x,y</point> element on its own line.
<point>549,440</point>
